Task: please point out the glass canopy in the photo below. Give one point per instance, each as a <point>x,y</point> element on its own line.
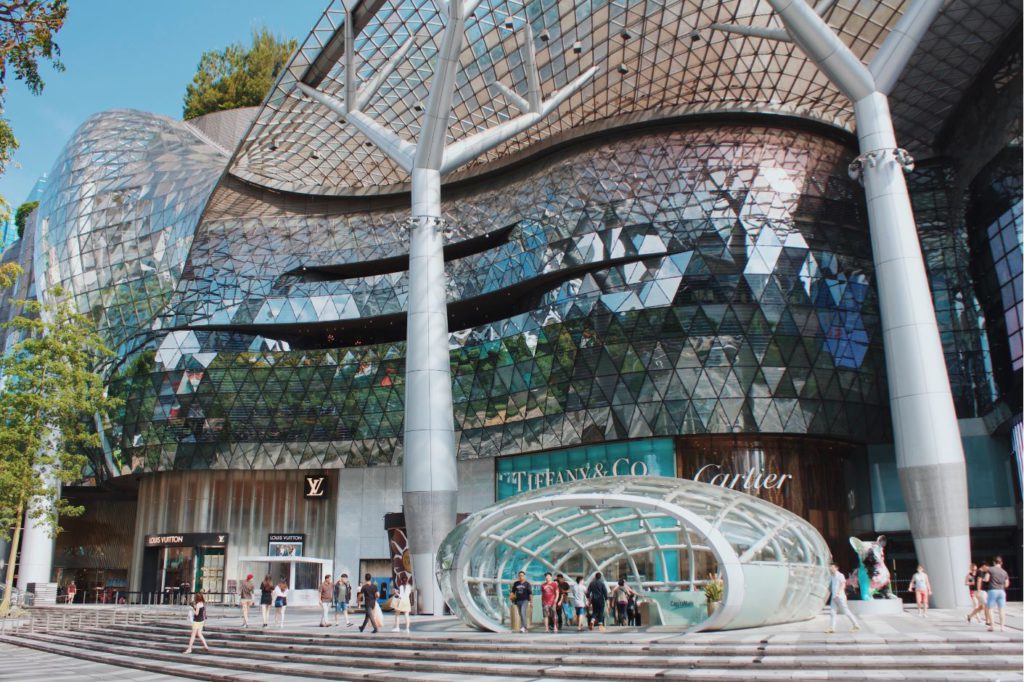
<point>666,537</point>
<point>657,59</point>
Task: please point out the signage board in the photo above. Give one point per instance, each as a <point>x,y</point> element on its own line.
<point>285,544</point>
<point>522,473</point>
<point>315,486</point>
<point>187,540</point>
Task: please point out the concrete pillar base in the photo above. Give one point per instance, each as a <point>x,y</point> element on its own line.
<point>946,560</point>
<point>429,517</point>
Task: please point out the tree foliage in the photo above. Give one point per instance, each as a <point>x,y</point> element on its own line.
<point>21,215</point>
<point>50,393</point>
<point>236,76</point>
<point>27,28</point>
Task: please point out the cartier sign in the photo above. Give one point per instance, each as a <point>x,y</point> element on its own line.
<point>750,480</point>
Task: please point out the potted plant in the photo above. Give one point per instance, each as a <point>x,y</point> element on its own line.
<point>714,588</point>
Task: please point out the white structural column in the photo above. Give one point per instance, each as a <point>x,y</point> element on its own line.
<point>929,454</point>
<point>36,561</point>
<point>430,482</point>
<point>429,476</point>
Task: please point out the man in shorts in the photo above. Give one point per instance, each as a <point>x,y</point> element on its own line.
<point>578,595</point>
<point>998,582</point>
<point>342,596</point>
<point>549,594</point>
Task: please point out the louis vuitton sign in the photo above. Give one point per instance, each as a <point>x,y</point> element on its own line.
<point>315,486</point>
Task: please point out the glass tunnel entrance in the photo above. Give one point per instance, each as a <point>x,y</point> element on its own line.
<point>667,538</point>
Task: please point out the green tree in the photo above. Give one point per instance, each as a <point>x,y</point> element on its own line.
<point>21,215</point>
<point>50,392</point>
<point>27,28</point>
<point>237,77</point>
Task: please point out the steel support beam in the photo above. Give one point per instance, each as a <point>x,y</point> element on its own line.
<point>429,475</point>
<point>929,453</point>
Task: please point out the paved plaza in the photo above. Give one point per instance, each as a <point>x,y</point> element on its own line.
<point>940,647</point>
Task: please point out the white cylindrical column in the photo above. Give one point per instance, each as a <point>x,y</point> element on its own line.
<point>35,564</point>
<point>429,476</point>
<point>929,454</point>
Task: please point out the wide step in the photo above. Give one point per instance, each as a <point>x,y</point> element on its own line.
<point>263,655</point>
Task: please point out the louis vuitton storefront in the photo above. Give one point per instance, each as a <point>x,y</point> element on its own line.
<point>253,513</point>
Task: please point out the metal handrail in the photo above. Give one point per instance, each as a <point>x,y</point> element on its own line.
<point>118,597</point>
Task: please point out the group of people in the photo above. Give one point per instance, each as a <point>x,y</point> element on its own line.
<point>566,603</point>
<point>988,585</point>
<point>332,594</point>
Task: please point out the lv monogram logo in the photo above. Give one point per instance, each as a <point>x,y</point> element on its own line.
<point>315,486</point>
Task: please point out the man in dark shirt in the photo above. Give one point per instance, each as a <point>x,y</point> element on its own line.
<point>564,605</point>
<point>597,595</point>
<point>523,594</point>
<point>368,595</point>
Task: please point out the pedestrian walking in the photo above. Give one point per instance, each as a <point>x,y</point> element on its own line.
<point>198,608</point>
<point>563,608</point>
<point>921,586</point>
<point>522,593</point>
<point>549,603</point>
<point>403,603</point>
<point>633,610</point>
<point>970,580</point>
<point>837,592</point>
<point>597,597</point>
<point>980,595</point>
<point>342,597</point>
<point>245,592</point>
<point>280,601</point>
<point>368,596</point>
<point>72,591</point>
<point>998,582</point>
<point>620,597</point>
<point>326,600</point>
<point>578,595</point>
<point>266,598</point>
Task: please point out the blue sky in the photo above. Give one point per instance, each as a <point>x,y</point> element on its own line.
<point>136,54</point>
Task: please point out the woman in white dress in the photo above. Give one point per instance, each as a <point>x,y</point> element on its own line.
<point>403,603</point>
<point>281,601</point>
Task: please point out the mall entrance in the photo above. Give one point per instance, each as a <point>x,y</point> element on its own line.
<point>176,565</point>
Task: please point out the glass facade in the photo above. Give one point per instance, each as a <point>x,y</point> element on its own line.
<point>939,210</point>
<point>667,538</point>
<point>698,280</point>
<point>995,223</point>
<point>117,216</point>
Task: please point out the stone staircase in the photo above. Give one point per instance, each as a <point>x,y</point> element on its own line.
<point>345,654</point>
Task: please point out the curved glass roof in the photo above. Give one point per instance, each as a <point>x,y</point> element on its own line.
<point>657,58</point>
<point>664,536</point>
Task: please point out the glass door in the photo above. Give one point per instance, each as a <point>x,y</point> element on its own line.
<point>210,573</point>
<point>176,576</point>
